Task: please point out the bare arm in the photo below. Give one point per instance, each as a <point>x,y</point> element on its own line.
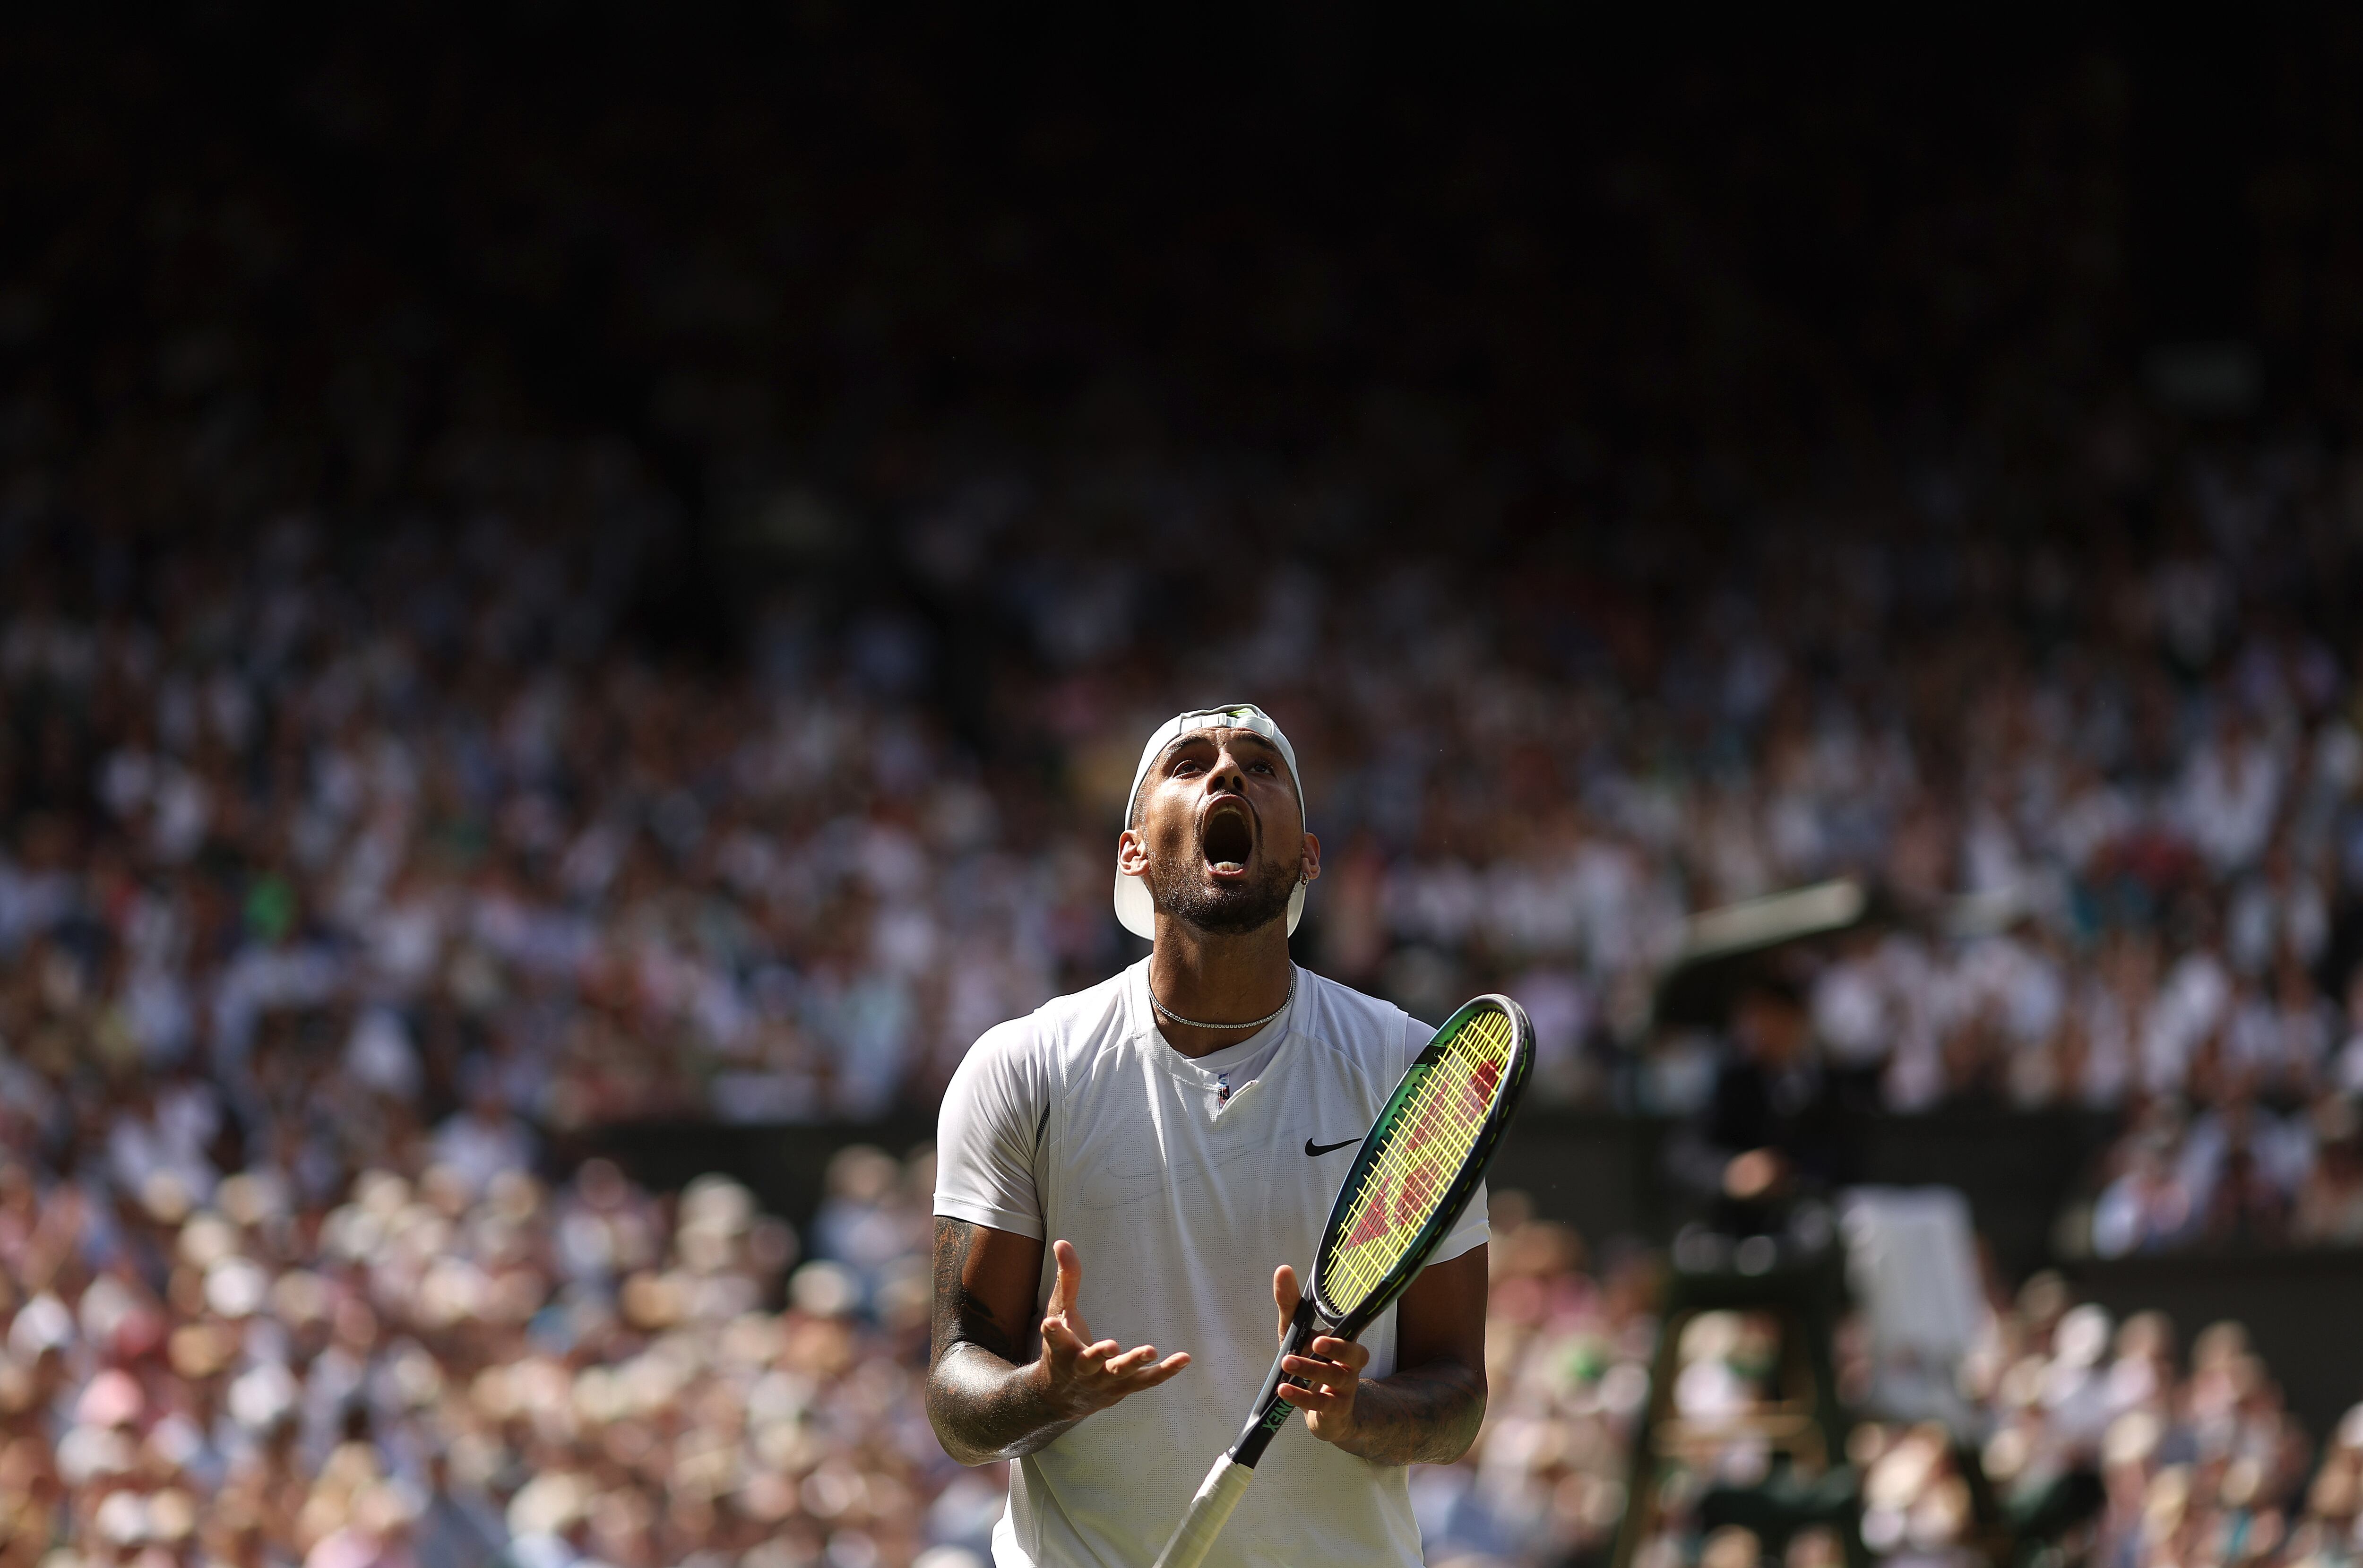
<point>986,1398</point>
<point>1428,1410</point>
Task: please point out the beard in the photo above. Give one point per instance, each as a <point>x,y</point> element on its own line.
<point>1180,889</point>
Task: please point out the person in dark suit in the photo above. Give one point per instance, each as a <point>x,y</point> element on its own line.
<point>1767,1132</point>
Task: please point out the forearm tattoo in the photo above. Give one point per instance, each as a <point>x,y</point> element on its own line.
<point>983,1398</point>
<point>1423,1415</point>
<point>961,1317</point>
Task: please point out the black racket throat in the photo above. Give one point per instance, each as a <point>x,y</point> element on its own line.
<point>1270,1408</point>
<point>1271,1412</point>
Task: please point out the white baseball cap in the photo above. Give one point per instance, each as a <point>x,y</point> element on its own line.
<point>1135,910</point>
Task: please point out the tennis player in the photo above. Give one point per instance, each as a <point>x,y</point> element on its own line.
<point>1120,1173</point>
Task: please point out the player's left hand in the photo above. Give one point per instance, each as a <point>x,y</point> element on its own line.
<point>1333,1368</point>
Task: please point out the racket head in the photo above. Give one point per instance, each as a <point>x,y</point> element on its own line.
<point>1422,1160</point>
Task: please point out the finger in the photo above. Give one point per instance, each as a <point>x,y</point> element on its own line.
<point>1285,1296</point>
<point>1319,1400</point>
<point>1150,1377</point>
<point>1066,1288</point>
<point>1070,1282</point>
<point>1321,1374</point>
<point>1101,1349</point>
<point>1352,1352</point>
<point>1060,1339</point>
<point>1132,1360</point>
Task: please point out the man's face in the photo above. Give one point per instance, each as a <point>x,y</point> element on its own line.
<point>1771,1028</point>
<point>1217,834</point>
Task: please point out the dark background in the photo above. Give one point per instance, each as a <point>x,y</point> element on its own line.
<point>785,242</point>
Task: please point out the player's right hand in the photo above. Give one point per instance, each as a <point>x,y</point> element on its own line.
<point>1080,1374</point>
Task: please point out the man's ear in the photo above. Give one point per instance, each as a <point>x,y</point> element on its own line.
<point>1311,860</point>
<point>1131,854</point>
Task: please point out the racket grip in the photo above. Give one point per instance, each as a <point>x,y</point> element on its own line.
<point>1209,1511</point>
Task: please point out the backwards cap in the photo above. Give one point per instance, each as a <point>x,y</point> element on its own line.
<point>1133,908</point>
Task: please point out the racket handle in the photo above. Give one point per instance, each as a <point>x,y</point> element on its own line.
<point>1209,1511</point>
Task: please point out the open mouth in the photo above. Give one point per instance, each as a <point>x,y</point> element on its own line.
<point>1228,837</point>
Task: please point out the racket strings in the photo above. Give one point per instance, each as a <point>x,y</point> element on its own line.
<point>1435,1129</point>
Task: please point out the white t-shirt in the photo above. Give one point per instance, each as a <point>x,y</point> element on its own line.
<point>1081,1123</point>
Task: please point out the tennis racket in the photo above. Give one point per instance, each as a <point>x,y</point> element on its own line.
<point>1416,1171</point>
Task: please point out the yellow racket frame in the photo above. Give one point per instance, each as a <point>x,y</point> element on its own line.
<point>1422,1160</point>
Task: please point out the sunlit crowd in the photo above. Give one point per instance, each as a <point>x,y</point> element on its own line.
<point>395,827</point>
<point>460,1366</point>
<point>2098,1441</point>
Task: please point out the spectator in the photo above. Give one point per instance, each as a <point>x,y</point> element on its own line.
<point>1764,1135</point>
<point>2330,1205</point>
<point>485,1139</point>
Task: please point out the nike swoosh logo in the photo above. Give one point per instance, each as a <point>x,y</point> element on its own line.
<point>1318,1150</point>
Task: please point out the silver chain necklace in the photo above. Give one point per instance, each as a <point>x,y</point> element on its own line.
<point>1250,1024</point>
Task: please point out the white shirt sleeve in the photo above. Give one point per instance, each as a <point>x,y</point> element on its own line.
<point>1473,1229</point>
<point>988,1131</point>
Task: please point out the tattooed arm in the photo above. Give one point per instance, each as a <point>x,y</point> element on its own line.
<point>986,1398</point>
<point>1428,1410</point>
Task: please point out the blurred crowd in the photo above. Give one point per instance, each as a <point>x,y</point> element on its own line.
<point>458,1364</point>
<point>389,829</point>
<point>2092,1438</point>
<point>460,1367</point>
<point>399,723</point>
<point>431,811</point>
<point>1566,1351</point>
